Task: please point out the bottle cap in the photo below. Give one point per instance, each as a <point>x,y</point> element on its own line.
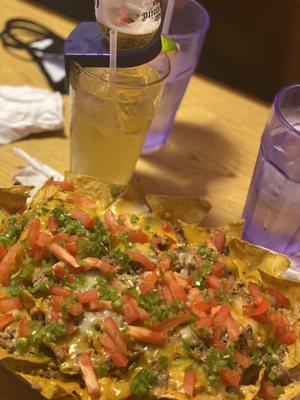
<point>88,47</point>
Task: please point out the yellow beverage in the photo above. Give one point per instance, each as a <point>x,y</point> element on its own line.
<point>110,119</point>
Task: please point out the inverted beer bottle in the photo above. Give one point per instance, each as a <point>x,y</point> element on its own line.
<point>136,21</point>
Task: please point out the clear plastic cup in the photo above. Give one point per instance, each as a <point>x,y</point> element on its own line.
<point>272,211</point>
<point>189,25</point>
<point>111,115</point>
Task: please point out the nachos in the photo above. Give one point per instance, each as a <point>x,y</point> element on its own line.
<point>105,295</point>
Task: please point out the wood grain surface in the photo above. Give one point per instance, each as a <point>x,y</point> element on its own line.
<point>211,151</point>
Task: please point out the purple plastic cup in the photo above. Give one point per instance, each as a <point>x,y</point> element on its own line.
<point>272,210</point>
<point>189,25</point>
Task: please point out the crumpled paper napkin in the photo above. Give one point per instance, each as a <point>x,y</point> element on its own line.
<point>36,174</point>
<point>25,110</point>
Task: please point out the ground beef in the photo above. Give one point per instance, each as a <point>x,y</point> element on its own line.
<point>137,351</point>
<point>8,341</point>
<point>246,339</point>
<point>282,374</point>
<point>61,353</point>
<point>39,276</point>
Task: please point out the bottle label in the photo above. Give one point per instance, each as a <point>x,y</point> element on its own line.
<point>129,16</point>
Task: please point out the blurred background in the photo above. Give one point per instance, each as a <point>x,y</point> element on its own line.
<point>253,45</point>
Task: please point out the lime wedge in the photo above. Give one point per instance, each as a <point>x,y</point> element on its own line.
<point>168,44</point>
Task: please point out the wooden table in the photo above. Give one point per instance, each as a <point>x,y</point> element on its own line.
<point>210,154</point>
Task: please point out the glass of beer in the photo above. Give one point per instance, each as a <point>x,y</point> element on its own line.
<point>110,116</point>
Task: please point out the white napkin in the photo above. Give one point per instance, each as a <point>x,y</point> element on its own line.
<point>25,110</point>
<point>36,174</point>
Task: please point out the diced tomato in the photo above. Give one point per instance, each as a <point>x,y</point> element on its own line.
<point>3,251</point>
<point>255,290</point>
<point>100,305</point>
<point>233,328</point>
<point>56,303</point>
<point>189,382</point>
<point>283,329</point>
<point>177,291</point>
<point>114,333</point>
<point>8,262</point>
<point>167,226</point>
<point>52,224</point>
<point>60,291</point>
<point>130,309</point>
<point>89,375</point>
<point>231,376</point>
<point>155,241</point>
<point>181,282</point>
<point>218,331</point>
<point>70,328</point>
<point>218,269</point>
<point>63,185</point>
<point>148,282</point>
<point>248,309</point>
<point>43,239</point>
<point>172,323</point>
<point>23,328</point>
<point>111,222</point>
<point>34,226</point>
<point>213,282</point>
<point>137,256</point>
<point>165,263</point>
<point>206,322</point>
<point>166,292</point>
<point>92,262</point>
<point>137,236</point>
<point>219,240</point>
<point>56,315</point>
<point>146,335</point>
<point>72,244</point>
<point>83,217</point>
<point>61,254</point>
<point>5,320</point>
<point>143,314</point>
<point>114,351</point>
<point>60,237</point>
<point>40,253</point>
<point>117,284</point>
<point>75,309</point>
<point>10,304</point>
<point>222,315</point>
<point>267,390</point>
<point>281,299</point>
<point>88,296</point>
<point>262,318</point>
<point>61,271</point>
<point>218,344</point>
<point>263,306</point>
<point>82,201</point>
<point>242,359</point>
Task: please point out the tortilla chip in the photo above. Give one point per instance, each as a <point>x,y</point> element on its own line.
<point>250,259</point>
<point>45,194</point>
<point>54,389</point>
<point>3,216</point>
<point>113,389</point>
<point>196,235</point>
<point>91,186</point>
<point>14,198</point>
<point>250,391</point>
<point>175,209</point>
<point>162,393</point>
<point>290,391</point>
<point>21,362</point>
